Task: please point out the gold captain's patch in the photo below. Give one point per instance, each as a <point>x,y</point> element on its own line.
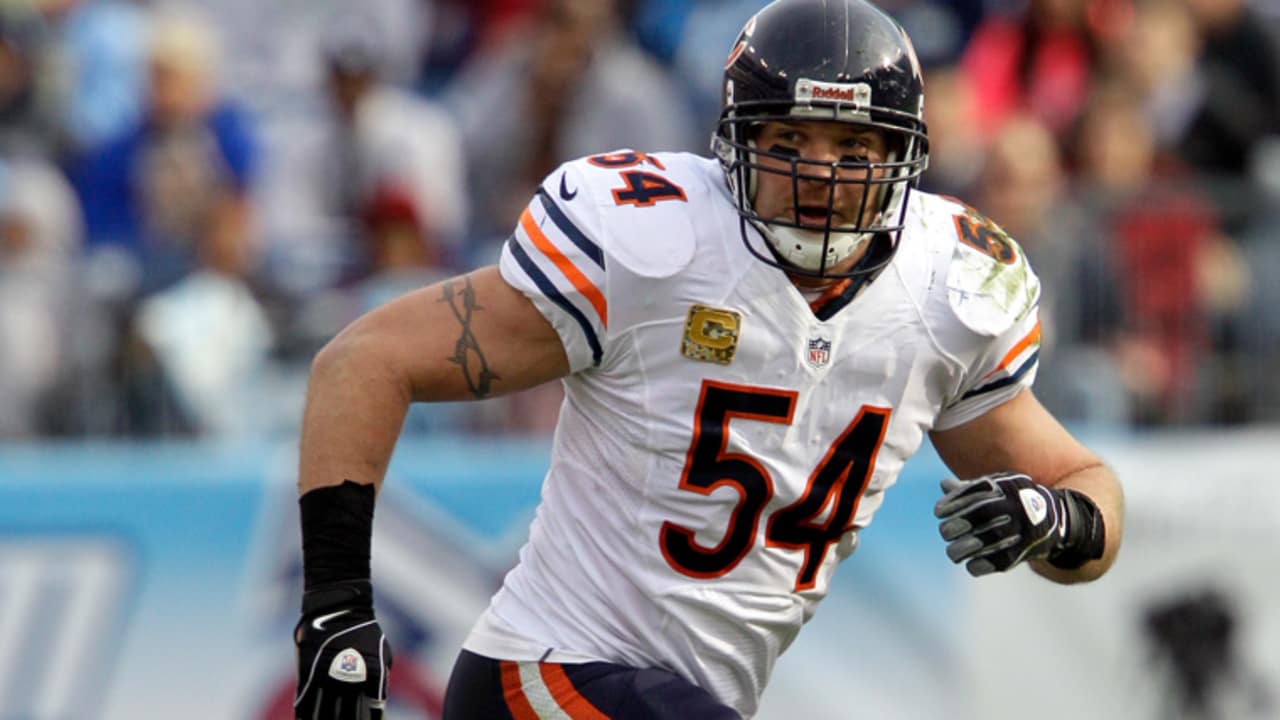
<point>711,334</point>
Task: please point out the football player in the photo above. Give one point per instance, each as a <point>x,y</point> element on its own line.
<point>751,346</point>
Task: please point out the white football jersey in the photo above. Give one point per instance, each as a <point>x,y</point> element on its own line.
<point>721,441</point>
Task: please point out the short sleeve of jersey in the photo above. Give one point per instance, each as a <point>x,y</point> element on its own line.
<point>552,258</point>
<point>1006,368</point>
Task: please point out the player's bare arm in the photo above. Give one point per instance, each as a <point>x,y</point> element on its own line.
<point>469,337</point>
<point>1021,436</point>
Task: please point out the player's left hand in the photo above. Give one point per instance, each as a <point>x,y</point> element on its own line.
<point>996,521</point>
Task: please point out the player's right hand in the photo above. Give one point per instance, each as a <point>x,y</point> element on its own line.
<point>996,521</point>
<point>343,656</point>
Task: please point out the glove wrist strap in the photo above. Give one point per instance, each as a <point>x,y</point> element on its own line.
<point>337,528</point>
<point>1086,535</point>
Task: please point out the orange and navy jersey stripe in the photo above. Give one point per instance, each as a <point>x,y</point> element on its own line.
<point>1015,364</point>
<point>565,265</point>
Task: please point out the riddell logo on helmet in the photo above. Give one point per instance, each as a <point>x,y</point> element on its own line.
<point>845,94</point>
<point>856,94</point>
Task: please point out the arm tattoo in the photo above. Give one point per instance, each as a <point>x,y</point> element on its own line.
<point>467,353</point>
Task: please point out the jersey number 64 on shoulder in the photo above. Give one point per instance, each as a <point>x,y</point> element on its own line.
<point>642,189</point>
<point>837,483</point>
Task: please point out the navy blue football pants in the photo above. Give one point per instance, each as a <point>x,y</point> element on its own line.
<point>482,688</point>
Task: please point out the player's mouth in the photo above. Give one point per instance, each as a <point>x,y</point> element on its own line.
<point>816,216</point>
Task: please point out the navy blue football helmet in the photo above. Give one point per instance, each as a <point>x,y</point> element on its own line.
<point>833,60</point>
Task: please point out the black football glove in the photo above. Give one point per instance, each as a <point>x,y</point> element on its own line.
<point>343,657</point>
<point>994,522</point>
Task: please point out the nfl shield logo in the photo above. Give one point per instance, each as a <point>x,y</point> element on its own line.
<point>819,352</point>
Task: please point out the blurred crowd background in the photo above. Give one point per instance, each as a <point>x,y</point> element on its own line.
<point>195,197</point>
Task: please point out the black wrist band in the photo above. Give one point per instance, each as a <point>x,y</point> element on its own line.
<point>337,527</point>
<point>345,594</point>
<point>1086,534</point>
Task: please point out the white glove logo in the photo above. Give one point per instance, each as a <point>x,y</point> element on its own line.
<point>1033,503</point>
<point>348,666</point>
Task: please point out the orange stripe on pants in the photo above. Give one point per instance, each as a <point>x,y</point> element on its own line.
<point>513,692</point>
<point>567,696</point>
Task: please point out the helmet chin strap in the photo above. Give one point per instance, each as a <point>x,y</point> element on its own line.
<point>803,248</point>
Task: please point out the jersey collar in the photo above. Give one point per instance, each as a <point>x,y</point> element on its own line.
<point>842,293</point>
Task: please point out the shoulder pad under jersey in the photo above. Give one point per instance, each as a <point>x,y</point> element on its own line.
<point>990,284</point>
<point>642,206</point>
